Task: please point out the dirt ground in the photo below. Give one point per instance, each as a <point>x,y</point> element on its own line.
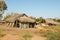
<point>17,33</point>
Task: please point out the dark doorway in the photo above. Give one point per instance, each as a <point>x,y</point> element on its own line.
<point>16,23</point>
<point>31,25</point>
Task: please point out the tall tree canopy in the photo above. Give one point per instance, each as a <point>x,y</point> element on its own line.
<point>3,5</point>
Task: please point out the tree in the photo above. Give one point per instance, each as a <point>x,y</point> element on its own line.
<point>33,17</point>
<point>3,7</point>
<point>40,20</point>
<point>7,16</point>
<point>58,20</point>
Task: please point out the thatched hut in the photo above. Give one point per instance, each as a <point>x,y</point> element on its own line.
<point>20,20</point>
<point>51,22</point>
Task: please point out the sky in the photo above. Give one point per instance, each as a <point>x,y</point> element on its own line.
<point>36,8</point>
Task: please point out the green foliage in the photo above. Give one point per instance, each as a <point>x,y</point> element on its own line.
<point>52,35</point>
<point>54,19</point>
<point>27,36</point>
<point>40,20</point>
<point>58,25</point>
<point>3,4</point>
<point>58,20</point>
<point>7,16</point>
<point>33,17</point>
<point>1,33</point>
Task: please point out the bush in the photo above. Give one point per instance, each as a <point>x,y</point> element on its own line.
<point>1,33</point>
<point>58,24</point>
<point>27,36</point>
<point>52,35</point>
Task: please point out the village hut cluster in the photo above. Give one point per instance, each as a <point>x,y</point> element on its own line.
<point>24,21</point>
<point>50,22</point>
<point>20,20</point>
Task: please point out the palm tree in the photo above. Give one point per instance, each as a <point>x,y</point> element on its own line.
<point>3,7</point>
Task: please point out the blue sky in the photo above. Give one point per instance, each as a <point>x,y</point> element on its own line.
<point>36,8</point>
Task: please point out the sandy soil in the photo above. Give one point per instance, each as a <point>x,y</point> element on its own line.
<point>16,33</point>
<point>38,38</point>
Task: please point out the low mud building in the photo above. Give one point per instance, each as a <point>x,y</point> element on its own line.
<point>20,20</point>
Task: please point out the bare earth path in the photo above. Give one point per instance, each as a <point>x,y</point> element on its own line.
<point>16,34</point>
<point>38,38</point>
<point>16,37</point>
<point>10,37</point>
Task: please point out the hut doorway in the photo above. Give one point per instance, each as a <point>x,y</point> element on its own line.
<point>31,25</point>
<point>16,23</point>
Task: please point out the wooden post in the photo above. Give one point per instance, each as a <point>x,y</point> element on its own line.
<point>20,25</point>
<point>12,24</point>
<point>7,24</point>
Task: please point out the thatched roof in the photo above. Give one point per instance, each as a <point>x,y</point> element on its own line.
<point>20,17</point>
<point>26,19</point>
<point>51,21</point>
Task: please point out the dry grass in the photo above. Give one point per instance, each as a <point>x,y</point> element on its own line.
<point>1,33</point>
<point>51,32</point>
<point>19,34</point>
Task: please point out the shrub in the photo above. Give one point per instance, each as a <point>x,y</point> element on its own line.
<point>52,35</point>
<point>27,36</point>
<point>1,33</point>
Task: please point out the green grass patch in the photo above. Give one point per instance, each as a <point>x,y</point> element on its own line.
<point>1,33</point>
<point>52,35</point>
<point>27,36</point>
<point>58,24</point>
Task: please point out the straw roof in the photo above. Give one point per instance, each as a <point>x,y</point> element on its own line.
<point>11,19</point>
<point>26,19</point>
<point>20,17</point>
<point>51,21</point>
